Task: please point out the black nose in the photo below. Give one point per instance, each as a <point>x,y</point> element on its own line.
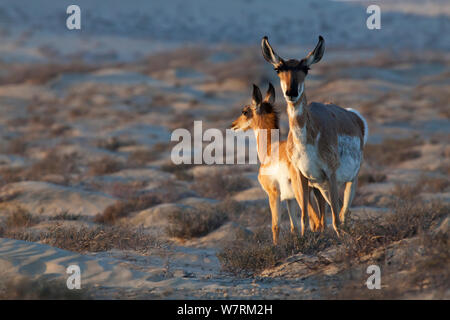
<point>292,93</point>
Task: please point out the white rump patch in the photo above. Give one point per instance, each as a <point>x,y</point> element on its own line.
<point>366,127</point>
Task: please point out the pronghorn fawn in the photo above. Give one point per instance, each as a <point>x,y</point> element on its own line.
<point>275,170</point>
<point>325,142</point>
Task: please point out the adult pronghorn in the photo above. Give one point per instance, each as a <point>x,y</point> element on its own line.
<point>275,171</point>
<point>325,142</point>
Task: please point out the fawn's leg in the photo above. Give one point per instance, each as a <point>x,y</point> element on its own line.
<point>294,216</point>
<point>274,201</point>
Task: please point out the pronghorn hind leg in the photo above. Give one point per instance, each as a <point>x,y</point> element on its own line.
<point>330,194</point>
<point>294,216</point>
<point>313,213</point>
<point>334,202</point>
<point>349,194</point>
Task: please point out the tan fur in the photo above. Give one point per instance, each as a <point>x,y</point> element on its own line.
<point>318,160</point>
<point>251,119</point>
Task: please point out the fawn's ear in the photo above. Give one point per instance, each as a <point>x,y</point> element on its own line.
<point>270,95</point>
<point>256,96</point>
<point>315,55</point>
<point>269,54</point>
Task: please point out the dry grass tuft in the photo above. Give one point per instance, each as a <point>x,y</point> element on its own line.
<point>220,184</point>
<point>392,151</point>
<point>17,146</point>
<point>88,239</point>
<point>180,171</point>
<point>366,178</point>
<point>104,166</point>
<point>20,218</point>
<point>250,256</point>
<point>408,192</point>
<point>195,222</point>
<point>63,166</point>
<point>141,157</point>
<point>424,273</point>
<point>434,184</point>
<point>121,209</point>
<point>410,218</point>
<point>40,289</point>
<point>41,73</point>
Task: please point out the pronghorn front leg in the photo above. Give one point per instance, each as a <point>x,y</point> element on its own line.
<point>305,202</point>
<point>321,205</point>
<point>274,202</point>
<point>298,192</point>
<point>349,194</point>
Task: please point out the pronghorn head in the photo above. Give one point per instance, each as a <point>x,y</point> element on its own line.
<point>260,114</point>
<point>292,72</point>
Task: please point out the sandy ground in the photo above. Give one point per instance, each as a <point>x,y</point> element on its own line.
<point>86,122</point>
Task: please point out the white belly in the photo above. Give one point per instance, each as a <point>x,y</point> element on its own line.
<point>307,160</point>
<point>280,174</point>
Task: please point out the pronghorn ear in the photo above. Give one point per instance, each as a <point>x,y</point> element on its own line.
<point>269,54</point>
<point>256,97</point>
<point>315,55</point>
<point>270,95</point>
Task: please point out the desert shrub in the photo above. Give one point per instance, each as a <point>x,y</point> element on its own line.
<point>113,143</point>
<point>63,165</point>
<point>194,222</point>
<point>11,175</point>
<point>121,190</point>
<point>141,157</point>
<point>65,216</point>
<point>19,218</point>
<point>24,288</point>
<point>372,177</point>
<point>220,184</point>
<point>407,191</point>
<point>88,239</point>
<point>434,184</point>
<point>423,184</point>
<point>254,254</point>
<point>180,171</point>
<point>392,151</point>
<point>432,270</point>
<point>123,208</point>
<point>106,165</point>
<point>41,73</point>
<point>409,218</point>
<point>52,164</point>
<point>17,146</point>
<point>426,272</point>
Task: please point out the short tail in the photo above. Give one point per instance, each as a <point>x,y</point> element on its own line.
<point>366,127</point>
